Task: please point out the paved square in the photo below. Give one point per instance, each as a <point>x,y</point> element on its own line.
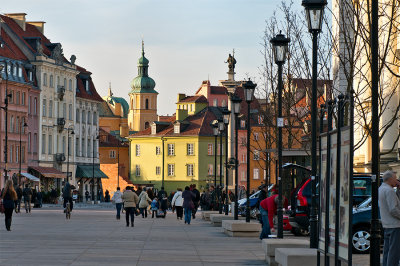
<point>95,237</point>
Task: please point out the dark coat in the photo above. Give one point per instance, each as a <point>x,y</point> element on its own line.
<point>188,197</point>
<point>8,201</point>
<point>196,195</point>
<point>27,193</point>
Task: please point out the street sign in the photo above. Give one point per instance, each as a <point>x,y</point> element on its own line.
<point>280,122</point>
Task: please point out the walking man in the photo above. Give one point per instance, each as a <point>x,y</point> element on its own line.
<point>389,207</point>
<point>117,199</point>
<point>130,202</point>
<point>18,201</point>
<point>196,200</point>
<point>27,193</point>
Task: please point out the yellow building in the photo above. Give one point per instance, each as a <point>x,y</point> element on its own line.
<point>180,152</point>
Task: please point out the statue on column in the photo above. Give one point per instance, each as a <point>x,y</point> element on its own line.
<point>231,62</point>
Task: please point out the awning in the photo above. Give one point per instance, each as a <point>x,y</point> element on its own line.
<point>31,177</point>
<point>87,171</point>
<point>49,172</point>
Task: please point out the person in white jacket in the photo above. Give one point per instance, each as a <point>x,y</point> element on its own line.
<point>144,202</point>
<point>177,202</point>
<point>117,199</point>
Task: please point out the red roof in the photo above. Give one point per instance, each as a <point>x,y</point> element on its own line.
<point>167,118</point>
<point>81,90</point>
<point>108,140</point>
<point>217,90</point>
<point>48,171</point>
<point>194,99</point>
<point>10,49</point>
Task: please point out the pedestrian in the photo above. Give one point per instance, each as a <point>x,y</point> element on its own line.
<point>163,201</point>
<point>144,201</point>
<point>150,192</point>
<point>87,195</point>
<point>154,207</point>
<point>196,200</point>
<point>130,202</point>
<point>188,204</point>
<point>389,207</point>
<point>39,197</point>
<point>27,193</point>
<point>9,196</point>
<point>177,202</point>
<point>53,195</point>
<point>212,201</point>
<point>107,196</point>
<point>18,201</point>
<point>117,199</point>
<point>67,196</point>
<point>267,210</point>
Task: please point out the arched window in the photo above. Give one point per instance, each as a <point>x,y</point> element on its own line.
<point>146,125</point>
<point>147,104</point>
<point>65,83</point>
<point>51,81</point>
<point>70,84</point>
<point>45,79</point>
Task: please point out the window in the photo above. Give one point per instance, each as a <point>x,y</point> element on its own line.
<point>43,143</point>
<point>65,83</point>
<point>243,141</point>
<point>243,176</point>
<point>171,169</point>
<point>77,116</point>
<point>87,85</point>
<point>44,107</point>
<point>17,97</point>
<point>137,170</point>
<point>17,125</point>
<point>77,147</point>
<point>50,148</point>
<point>69,146</point>
<point>158,150</point>
<point>171,149</point>
<point>12,97</point>
<point>29,105</point>
<point>256,155</point>
<point>12,124</point>
<point>50,108</point>
<point>215,102</point>
<point>219,149</point>
<point>34,146</point>
<point>189,169</point>
<point>242,123</point>
<point>20,72</point>
<point>190,149</point>
<point>177,129</point>
<point>94,119</point>
<point>35,106</point>
<point>63,144</point>
<point>83,145</point>
<point>23,154</point>
<point>158,170</point>
<point>255,136</point>
<point>94,144</point>
<point>260,119</point>
<point>210,149</point>
<point>44,79</point>
<point>89,117</point>
<point>58,82</point>
<point>11,153</point>
<point>64,110</point>
<point>29,142</point>
<point>23,98</point>
<point>83,116</point>
<point>51,81</point>
<point>137,150</point>
<point>70,111</point>
<point>112,154</point>
<point>244,159</point>
<point>256,173</point>
<point>147,104</point>
<point>210,169</point>
<point>88,149</point>
<point>70,85</point>
<point>223,103</point>
<point>16,154</point>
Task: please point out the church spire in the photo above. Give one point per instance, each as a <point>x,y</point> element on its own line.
<point>142,47</point>
<point>110,94</point>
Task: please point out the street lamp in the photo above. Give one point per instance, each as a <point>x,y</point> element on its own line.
<point>22,126</point>
<point>249,88</point>
<point>314,14</point>
<point>5,108</point>
<point>72,133</point>
<point>280,48</point>
<point>226,115</point>
<point>214,125</point>
<point>236,110</point>
<point>93,155</point>
<point>221,127</point>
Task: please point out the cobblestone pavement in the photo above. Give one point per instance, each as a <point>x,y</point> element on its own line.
<point>95,237</point>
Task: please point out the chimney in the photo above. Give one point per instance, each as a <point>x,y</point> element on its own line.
<point>181,96</point>
<point>38,24</point>
<point>19,19</point>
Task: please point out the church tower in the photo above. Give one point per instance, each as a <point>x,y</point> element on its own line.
<point>142,98</point>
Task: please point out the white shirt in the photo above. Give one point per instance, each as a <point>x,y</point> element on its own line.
<point>117,197</point>
<point>177,200</point>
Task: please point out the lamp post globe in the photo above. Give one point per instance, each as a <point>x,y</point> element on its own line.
<point>280,48</point>
<point>236,105</point>
<point>314,13</point>
<point>249,88</point>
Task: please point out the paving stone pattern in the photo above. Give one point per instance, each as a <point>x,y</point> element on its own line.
<point>94,237</point>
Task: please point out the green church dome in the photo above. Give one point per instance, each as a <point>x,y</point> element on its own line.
<point>143,83</point>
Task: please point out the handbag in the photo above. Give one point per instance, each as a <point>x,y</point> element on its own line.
<point>191,205</point>
<point>137,212</point>
<point>2,210</point>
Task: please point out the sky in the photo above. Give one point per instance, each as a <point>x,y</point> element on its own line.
<point>186,41</point>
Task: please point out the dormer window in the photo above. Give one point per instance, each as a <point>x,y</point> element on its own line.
<point>177,129</point>
<point>87,85</point>
<point>153,129</point>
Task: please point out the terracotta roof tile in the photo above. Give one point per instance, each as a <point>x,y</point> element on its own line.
<point>81,90</point>
<point>194,99</point>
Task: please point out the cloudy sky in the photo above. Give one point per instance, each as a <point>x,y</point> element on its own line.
<point>186,41</point>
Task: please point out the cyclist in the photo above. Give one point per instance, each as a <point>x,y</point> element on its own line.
<point>67,195</point>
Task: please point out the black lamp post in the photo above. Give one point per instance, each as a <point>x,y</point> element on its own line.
<point>236,110</point>
<point>72,133</point>
<point>280,49</point>
<point>93,156</point>
<point>5,108</point>
<point>214,125</point>
<point>22,128</point>
<point>249,88</point>
<point>226,115</point>
<point>221,127</point>
<point>314,13</point>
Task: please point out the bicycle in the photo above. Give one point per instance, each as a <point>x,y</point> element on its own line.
<point>68,211</point>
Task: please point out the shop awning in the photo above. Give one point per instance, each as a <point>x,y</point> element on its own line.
<point>49,172</point>
<point>87,171</point>
<point>31,177</point>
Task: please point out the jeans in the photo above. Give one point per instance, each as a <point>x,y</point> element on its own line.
<point>8,217</point>
<point>143,211</point>
<point>179,211</point>
<point>119,206</point>
<point>188,215</point>
<point>27,203</point>
<point>71,204</point>
<point>130,211</point>
<point>153,212</point>
<point>18,205</point>
<point>266,230</point>
<point>391,247</point>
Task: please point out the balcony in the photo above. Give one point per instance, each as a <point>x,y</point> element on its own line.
<point>60,92</point>
<point>60,157</point>
<point>60,123</point>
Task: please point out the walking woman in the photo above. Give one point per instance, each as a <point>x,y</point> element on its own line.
<point>177,202</point>
<point>144,202</point>
<point>117,199</point>
<point>130,201</point>
<point>188,204</point>
<point>9,196</point>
